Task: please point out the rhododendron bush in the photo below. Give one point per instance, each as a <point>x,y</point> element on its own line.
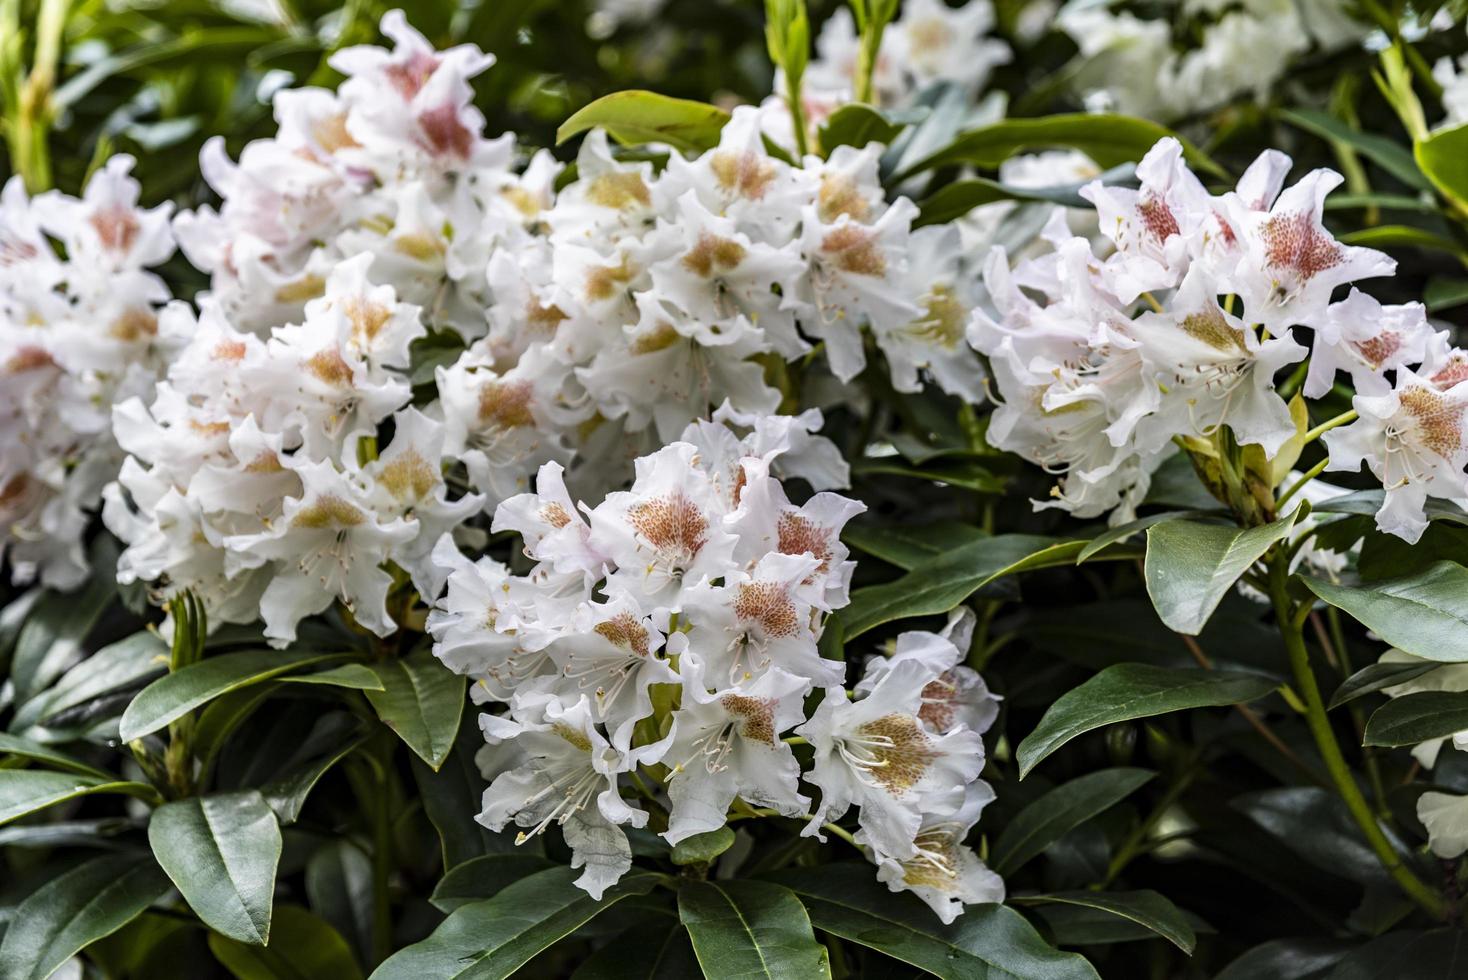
<point>631,488</point>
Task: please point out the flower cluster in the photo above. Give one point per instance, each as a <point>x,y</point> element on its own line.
<point>79,330</point>
<point>1135,64</point>
<point>1099,395</point>
<point>674,630</point>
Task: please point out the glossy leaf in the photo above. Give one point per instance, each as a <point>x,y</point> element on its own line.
<point>1425,614</point>
<point>175,695</point>
<point>302,947</point>
<point>987,942</point>
<point>452,797</point>
<point>1122,532</point>
<point>75,909</point>
<point>339,887</point>
<point>1146,908</point>
<point>1126,691</point>
<point>1377,677</point>
<point>114,667</point>
<point>957,199</point>
<point>490,940</point>
<point>910,547</point>
<point>1392,157</point>
<point>25,791</point>
<point>651,951</point>
<point>1060,811</point>
<point>1443,157</point>
<point>1110,140</point>
<point>357,677</point>
<point>636,117</point>
<point>422,700</point>
<point>703,848</point>
<point>857,125</point>
<point>1414,718</point>
<point>221,851</point>
<point>1191,566</point>
<point>750,929</point>
<point>26,749</point>
<point>51,638</point>
<point>483,878</point>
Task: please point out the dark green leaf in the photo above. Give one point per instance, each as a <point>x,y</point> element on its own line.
<point>957,199</point>
<point>422,700</point>
<point>483,878</point>
<point>1445,294</point>
<point>1378,677</point>
<point>452,797</point>
<point>1191,566</point>
<point>939,585</point>
<point>1124,531</point>
<point>1392,157</point>
<point>1414,718</point>
<point>334,737</point>
<point>987,942</point>
<point>703,848</point>
<point>51,638</point>
<point>1286,959</point>
<point>1146,908</point>
<point>221,851</point>
<point>75,909</point>
<point>24,791</point>
<point>492,939</point>
<point>856,125</point>
<point>339,886</point>
<point>1126,691</point>
<point>116,666</point>
<point>750,929</point>
<point>354,676</point>
<point>26,749</point>
<point>1110,140</point>
<point>1425,614</point>
<point>175,695</point>
<point>909,547</point>
<point>1060,811</point>
<point>651,951</point>
<point>302,947</point>
<point>1314,823</point>
<point>636,117</point>
<point>1401,236</point>
<point>1441,954</point>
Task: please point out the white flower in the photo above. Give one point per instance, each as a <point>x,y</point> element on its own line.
<point>877,753</point>
<point>554,766</point>
<point>957,695</point>
<point>552,528</point>
<point>944,872</point>
<point>1367,339</point>
<point>725,743</point>
<point>1412,440</point>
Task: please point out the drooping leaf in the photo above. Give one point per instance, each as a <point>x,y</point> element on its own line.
<point>1443,157</point>
<point>1314,823</point>
<point>1378,677</point>
<point>75,909</point>
<point>655,950</point>
<point>939,585</point>
<point>452,797</point>
<point>1286,959</point>
<point>1060,811</point>
<point>421,700</point>
<point>1425,614</point>
<point>339,887</point>
<point>117,666</point>
<point>26,749</point>
<point>1191,566</point>
<point>1111,140</point>
<point>490,940</point>
<point>51,638</point>
<point>987,942</point>
<point>354,676</point>
<point>636,116</point>
<point>335,737</point>
<point>483,878</point>
<point>1146,908</point>
<point>221,851</point>
<point>909,547</point>
<point>750,929</point>
<point>1122,532</point>
<point>1414,718</point>
<point>25,791</point>
<point>1126,691</point>
<point>702,848</point>
<point>1392,157</point>
<point>857,125</point>
<point>302,947</point>
<point>175,695</point>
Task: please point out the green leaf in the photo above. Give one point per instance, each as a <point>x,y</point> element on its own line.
<point>1377,677</point>
<point>302,947</point>
<point>1060,811</point>
<point>702,848</point>
<point>1123,692</point>
<point>857,125</point>
<point>1444,294</point>
<point>649,951</point>
<point>339,887</point>
<point>1124,531</point>
<point>492,939</point>
<point>75,909</point>
<point>987,942</point>
<point>910,547</point>
<point>26,749</point>
<point>51,638</point>
<point>953,201</point>
<point>114,667</point>
<point>25,791</point>
<point>1286,959</point>
<point>967,476</point>
<point>483,878</point>
<point>452,797</point>
<point>1146,908</point>
<point>334,737</point>
<point>1314,823</point>
<point>1110,140</point>
<point>1401,236</point>
<point>1392,157</point>
<point>171,697</point>
<point>354,676</point>
<point>637,116</point>
<point>750,929</point>
<point>1414,718</point>
<point>221,851</point>
<point>1425,614</point>
<point>422,700</point>
<point>939,585</point>
<point>1191,566</point>
<point>1443,157</point>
